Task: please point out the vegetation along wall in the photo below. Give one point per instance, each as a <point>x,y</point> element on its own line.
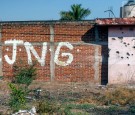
<point>64,51</point>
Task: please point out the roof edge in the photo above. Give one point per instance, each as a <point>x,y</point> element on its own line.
<point>115,21</point>
<point>45,21</point>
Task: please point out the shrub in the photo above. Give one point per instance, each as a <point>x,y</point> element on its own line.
<point>25,75</point>
<point>19,86</point>
<point>17,97</point>
<point>46,106</point>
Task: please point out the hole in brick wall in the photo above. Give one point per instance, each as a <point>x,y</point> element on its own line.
<point>117,52</point>
<point>128,54</point>
<point>113,39</point>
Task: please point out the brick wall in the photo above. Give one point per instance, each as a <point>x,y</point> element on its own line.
<point>87,57</point>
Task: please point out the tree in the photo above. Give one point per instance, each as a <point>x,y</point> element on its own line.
<point>76,13</point>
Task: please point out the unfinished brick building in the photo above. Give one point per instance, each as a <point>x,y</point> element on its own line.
<point>65,51</point>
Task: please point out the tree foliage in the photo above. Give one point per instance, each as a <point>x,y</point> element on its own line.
<point>76,13</point>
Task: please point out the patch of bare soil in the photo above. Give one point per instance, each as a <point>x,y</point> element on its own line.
<point>78,93</point>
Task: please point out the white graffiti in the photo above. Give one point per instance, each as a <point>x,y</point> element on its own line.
<point>15,43</point>
<point>70,59</point>
<point>30,49</point>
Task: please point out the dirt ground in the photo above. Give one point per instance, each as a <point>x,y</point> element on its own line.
<point>79,93</point>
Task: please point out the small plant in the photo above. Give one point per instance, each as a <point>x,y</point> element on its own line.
<point>67,111</point>
<point>1,77</point>
<point>25,75</point>
<point>17,97</point>
<point>19,86</point>
<point>132,109</point>
<point>46,106</point>
<point>112,109</point>
<point>84,107</point>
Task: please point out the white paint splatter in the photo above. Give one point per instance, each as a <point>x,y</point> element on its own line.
<point>7,49</point>
<point>70,59</point>
<point>133,42</point>
<point>15,43</point>
<point>50,50</point>
<point>29,48</point>
<point>20,49</point>
<point>78,50</point>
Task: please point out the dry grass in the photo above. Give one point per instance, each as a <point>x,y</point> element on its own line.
<point>119,96</point>
<point>4,85</point>
<point>79,94</point>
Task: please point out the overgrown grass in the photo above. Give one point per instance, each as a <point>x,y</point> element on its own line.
<point>109,101</point>
<point>77,107</point>
<point>71,108</point>
<point>120,96</point>
<point>47,106</point>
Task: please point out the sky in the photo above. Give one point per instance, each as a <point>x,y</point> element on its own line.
<point>26,10</point>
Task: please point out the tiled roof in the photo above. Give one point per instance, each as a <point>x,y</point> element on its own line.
<point>115,21</point>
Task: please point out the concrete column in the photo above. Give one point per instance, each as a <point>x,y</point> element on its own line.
<point>1,73</point>
<point>52,53</point>
<point>96,65</point>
